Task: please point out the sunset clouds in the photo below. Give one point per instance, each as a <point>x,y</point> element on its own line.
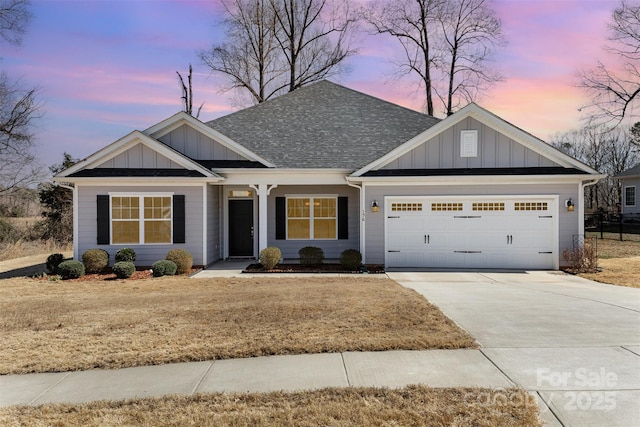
<point>108,67</point>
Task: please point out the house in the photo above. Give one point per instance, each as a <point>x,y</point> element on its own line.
<point>330,167</point>
<point>629,181</point>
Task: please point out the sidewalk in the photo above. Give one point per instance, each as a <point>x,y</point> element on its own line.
<point>26,266</point>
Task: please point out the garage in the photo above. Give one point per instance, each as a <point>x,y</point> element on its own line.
<point>471,232</point>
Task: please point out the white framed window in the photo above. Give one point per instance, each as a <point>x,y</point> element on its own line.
<point>312,218</point>
<point>141,218</point>
<point>630,195</point>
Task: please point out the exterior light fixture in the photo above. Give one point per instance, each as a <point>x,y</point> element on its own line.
<point>570,205</point>
<point>374,206</point>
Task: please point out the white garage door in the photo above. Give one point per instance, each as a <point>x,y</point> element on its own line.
<point>482,232</point>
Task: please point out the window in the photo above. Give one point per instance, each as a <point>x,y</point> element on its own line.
<point>630,196</point>
<point>469,143</point>
<point>311,218</point>
<point>141,219</point>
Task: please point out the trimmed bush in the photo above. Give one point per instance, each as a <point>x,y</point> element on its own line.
<point>270,257</point>
<point>124,269</point>
<point>125,255</point>
<point>164,268</point>
<point>350,259</point>
<point>70,269</point>
<point>53,261</point>
<point>95,260</point>
<point>310,255</point>
<point>182,259</point>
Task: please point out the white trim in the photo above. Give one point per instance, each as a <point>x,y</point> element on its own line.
<point>131,140</point>
<point>141,219</point>
<point>634,196</point>
<point>311,216</point>
<point>132,182</point>
<point>489,119</point>
<point>172,123</point>
<point>470,180</point>
<point>361,218</point>
<point>205,222</point>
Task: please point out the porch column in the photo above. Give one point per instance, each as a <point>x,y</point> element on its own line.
<point>262,216</point>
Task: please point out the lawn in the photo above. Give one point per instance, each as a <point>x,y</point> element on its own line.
<point>72,325</point>
<point>413,405</point>
<point>619,262</point>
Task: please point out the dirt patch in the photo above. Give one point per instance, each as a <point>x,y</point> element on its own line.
<point>413,405</point>
<point>71,325</point>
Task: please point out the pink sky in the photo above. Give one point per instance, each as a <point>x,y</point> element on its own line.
<point>106,68</point>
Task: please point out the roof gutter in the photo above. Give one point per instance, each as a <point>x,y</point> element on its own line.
<point>362,217</point>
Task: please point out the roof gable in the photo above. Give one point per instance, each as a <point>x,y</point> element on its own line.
<point>323,125</point>
<point>630,173</point>
<point>194,139</point>
<point>439,147</point>
<point>135,151</point>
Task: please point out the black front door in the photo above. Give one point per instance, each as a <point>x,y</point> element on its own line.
<point>240,227</point>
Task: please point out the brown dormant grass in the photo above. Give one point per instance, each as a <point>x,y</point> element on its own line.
<point>617,271</point>
<point>23,248</point>
<point>612,248</point>
<point>71,325</point>
<point>413,405</point>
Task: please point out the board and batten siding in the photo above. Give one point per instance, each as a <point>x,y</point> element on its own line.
<point>146,255</point>
<point>375,223</point>
<point>213,223</point>
<point>495,150</point>
<point>332,248</point>
<point>140,157</point>
<point>195,145</point>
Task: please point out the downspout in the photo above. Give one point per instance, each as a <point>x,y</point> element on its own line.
<point>362,219</point>
<point>583,185</point>
<point>74,191</point>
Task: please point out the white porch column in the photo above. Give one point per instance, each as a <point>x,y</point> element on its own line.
<point>262,216</point>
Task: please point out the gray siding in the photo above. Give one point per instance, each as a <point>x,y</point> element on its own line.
<point>140,157</point>
<point>331,248</point>
<point>495,150</point>
<point>374,222</point>
<point>145,254</point>
<point>213,223</point>
<point>195,145</point>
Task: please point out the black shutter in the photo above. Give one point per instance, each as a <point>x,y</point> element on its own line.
<point>104,229</point>
<point>281,218</point>
<point>179,219</point>
<point>343,217</point>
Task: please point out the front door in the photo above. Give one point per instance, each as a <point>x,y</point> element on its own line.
<point>241,228</point>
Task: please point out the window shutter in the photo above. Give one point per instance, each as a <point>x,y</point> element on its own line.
<point>343,217</point>
<point>179,219</point>
<point>104,226</point>
<point>281,218</point>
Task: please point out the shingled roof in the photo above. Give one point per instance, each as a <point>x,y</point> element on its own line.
<point>323,125</point>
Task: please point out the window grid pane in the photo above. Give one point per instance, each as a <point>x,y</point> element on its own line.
<point>303,222</point>
<point>629,196</point>
<point>127,223</point>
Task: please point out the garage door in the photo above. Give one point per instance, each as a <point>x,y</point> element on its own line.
<point>456,232</point>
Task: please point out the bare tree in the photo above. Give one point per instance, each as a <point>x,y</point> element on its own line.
<point>274,46</point>
<point>614,91</point>
<point>471,32</point>
<point>187,93</point>
<point>19,108</point>
<point>446,43</point>
<point>608,150</point>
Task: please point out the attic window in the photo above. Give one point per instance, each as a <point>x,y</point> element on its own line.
<point>469,143</point>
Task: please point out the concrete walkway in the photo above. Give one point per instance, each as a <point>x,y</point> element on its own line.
<point>574,344</point>
<point>26,266</point>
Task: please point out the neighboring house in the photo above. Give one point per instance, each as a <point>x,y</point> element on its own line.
<point>630,185</point>
<point>330,167</point>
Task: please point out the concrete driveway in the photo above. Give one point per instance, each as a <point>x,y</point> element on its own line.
<point>574,342</point>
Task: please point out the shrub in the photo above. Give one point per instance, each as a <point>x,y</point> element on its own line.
<point>125,255</point>
<point>583,258</point>
<point>53,262</point>
<point>350,259</point>
<point>310,255</point>
<point>164,268</point>
<point>182,258</point>
<point>270,257</point>
<point>8,232</point>
<point>70,269</point>
<point>123,269</point>
<point>95,260</point>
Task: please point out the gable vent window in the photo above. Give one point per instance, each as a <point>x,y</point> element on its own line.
<point>469,143</point>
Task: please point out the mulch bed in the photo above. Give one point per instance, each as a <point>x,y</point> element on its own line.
<point>140,273</point>
<point>323,268</point>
